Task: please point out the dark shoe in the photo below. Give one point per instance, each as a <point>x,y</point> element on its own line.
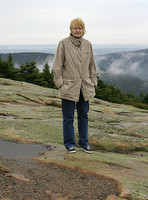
<point>86,149</point>
<point>71,150</point>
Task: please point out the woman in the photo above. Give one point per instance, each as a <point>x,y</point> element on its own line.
<point>75,76</point>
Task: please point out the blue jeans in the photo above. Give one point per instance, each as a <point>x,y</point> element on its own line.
<point>68,109</point>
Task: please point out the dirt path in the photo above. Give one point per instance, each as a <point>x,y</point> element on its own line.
<point>31,180</point>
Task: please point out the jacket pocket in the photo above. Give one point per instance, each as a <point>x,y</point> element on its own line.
<point>88,81</point>
<point>69,87</point>
<point>88,87</point>
<point>58,82</point>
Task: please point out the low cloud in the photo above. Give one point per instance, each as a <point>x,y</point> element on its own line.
<point>122,63</point>
<point>116,67</point>
<point>135,68</point>
<point>48,60</point>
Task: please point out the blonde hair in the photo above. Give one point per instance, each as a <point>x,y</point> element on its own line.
<point>78,22</point>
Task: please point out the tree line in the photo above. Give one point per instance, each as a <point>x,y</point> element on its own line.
<point>29,72</point>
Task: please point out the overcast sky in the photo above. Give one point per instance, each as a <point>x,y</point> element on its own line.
<point>47,21</point>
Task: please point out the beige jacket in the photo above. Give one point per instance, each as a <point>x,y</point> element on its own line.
<point>74,69</point>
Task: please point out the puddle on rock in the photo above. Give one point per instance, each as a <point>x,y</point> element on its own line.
<point>17,151</point>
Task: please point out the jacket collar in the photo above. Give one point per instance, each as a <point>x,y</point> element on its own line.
<point>76,41</point>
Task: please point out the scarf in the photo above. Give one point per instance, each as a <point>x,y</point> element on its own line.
<point>76,41</point>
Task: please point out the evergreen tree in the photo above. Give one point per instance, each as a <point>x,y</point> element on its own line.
<point>145,99</point>
<point>11,68</point>
<point>3,68</point>
<point>29,72</point>
<point>48,76</point>
<point>100,89</point>
<point>141,96</point>
<point>109,93</point>
<point>7,68</point>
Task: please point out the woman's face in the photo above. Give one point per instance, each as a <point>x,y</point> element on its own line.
<point>77,32</point>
